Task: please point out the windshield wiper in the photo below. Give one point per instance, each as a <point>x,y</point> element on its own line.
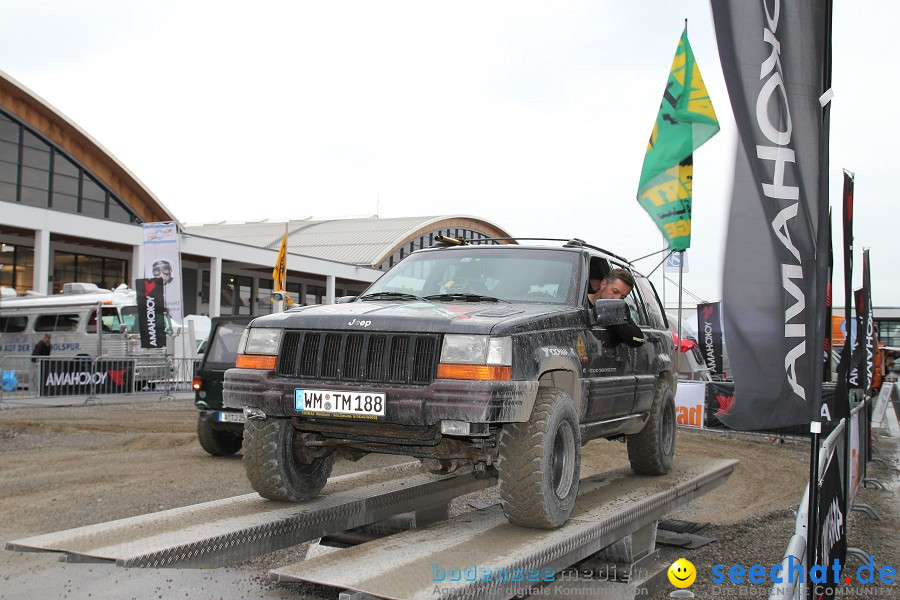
<point>463,298</point>
<point>389,296</point>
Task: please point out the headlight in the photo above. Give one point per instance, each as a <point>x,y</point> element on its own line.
<point>261,340</point>
<point>477,350</point>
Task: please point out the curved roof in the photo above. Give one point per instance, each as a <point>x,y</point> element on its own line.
<point>363,241</point>
<point>56,127</point>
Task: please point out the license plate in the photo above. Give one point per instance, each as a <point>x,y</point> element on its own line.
<point>359,405</point>
<point>232,417</point>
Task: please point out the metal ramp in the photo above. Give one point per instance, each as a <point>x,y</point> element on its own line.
<point>222,532</point>
<point>438,560</point>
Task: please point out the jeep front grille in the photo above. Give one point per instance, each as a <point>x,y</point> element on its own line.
<point>364,357</point>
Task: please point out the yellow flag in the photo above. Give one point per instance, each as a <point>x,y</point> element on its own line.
<point>279,273</point>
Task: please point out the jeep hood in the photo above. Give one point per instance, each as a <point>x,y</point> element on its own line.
<point>424,317</point>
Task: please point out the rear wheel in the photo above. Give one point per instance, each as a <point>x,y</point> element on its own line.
<point>272,464</point>
<point>652,451</point>
<point>540,463</point>
<point>217,442</point>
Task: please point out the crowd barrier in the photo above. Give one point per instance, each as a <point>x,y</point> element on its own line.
<point>843,460</point>
<point>22,378</point>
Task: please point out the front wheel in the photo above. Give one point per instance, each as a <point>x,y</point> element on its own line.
<point>272,465</point>
<point>652,451</point>
<point>540,463</point>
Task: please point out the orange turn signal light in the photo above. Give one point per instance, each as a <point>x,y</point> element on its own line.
<point>256,361</point>
<point>482,372</point>
<point>196,383</point>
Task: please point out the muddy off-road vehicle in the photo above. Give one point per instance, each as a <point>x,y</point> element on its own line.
<point>469,354</point>
<point>219,430</point>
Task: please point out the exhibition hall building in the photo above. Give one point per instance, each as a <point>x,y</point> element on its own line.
<point>71,212</point>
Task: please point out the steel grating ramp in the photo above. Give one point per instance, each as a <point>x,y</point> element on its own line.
<point>222,532</point>
<point>409,565</point>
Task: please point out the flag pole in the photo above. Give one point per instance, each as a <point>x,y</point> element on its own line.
<point>680,288</point>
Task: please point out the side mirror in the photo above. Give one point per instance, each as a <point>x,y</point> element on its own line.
<point>345,299</point>
<point>123,328</point>
<point>612,312</point>
<point>616,318</point>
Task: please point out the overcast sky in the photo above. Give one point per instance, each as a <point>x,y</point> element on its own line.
<point>532,115</point>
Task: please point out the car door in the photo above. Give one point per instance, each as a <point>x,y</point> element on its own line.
<point>656,335</point>
<point>611,383</point>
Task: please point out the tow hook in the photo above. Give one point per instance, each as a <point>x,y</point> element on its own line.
<point>254,413</point>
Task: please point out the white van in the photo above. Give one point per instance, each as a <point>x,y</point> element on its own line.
<point>84,321</point>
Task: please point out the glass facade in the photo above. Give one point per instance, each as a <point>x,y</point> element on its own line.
<point>35,172</point>
<point>889,331</point>
<point>16,267</point>
<point>105,272</point>
<point>427,240</point>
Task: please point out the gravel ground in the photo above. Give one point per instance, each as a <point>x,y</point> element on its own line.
<point>64,467</point>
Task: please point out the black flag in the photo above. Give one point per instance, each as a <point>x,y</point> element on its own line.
<point>151,306</point>
<point>776,61</point>
<point>709,323</point>
<point>862,362</point>
<point>841,404</point>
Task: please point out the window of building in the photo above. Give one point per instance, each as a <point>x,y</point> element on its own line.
<point>105,272</point>
<point>16,267</point>
<point>235,295</point>
<point>264,297</point>
<point>315,294</point>
<point>35,172</point>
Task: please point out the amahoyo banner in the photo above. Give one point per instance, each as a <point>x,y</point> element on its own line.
<point>150,305</point>
<point>709,323</point>
<point>74,377</point>
<point>776,62</point>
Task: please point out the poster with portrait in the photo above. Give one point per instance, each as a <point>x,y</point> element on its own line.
<point>162,259</point>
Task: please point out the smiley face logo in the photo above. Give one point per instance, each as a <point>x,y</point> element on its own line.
<point>682,573</point>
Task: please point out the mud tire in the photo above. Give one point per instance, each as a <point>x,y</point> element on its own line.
<point>652,451</point>
<point>272,467</point>
<point>540,463</point>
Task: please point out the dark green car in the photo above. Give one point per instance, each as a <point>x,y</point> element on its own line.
<point>219,430</point>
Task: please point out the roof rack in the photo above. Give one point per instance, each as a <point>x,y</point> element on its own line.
<point>569,243</point>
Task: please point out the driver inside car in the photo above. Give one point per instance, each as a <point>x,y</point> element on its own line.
<point>616,285</point>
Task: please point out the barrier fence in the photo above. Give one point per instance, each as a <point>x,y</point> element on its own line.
<point>843,460</point>
<point>22,378</point>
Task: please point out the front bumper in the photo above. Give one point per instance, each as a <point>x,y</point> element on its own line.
<point>470,401</point>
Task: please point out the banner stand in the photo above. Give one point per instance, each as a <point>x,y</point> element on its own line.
<point>812,530</point>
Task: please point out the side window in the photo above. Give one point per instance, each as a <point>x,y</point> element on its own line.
<point>14,324</point>
<point>634,305</point>
<point>109,320</point>
<point>64,322</point>
<point>652,303</point>
<point>597,269</point>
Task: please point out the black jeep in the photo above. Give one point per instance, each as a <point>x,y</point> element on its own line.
<point>219,430</point>
<point>482,354</point>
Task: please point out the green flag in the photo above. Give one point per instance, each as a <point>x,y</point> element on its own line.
<point>685,121</point>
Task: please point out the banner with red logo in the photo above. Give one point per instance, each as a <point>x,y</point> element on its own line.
<point>709,334</point>
<point>77,377</point>
<point>151,304</point>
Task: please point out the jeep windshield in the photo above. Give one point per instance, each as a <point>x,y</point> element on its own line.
<point>473,274</point>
